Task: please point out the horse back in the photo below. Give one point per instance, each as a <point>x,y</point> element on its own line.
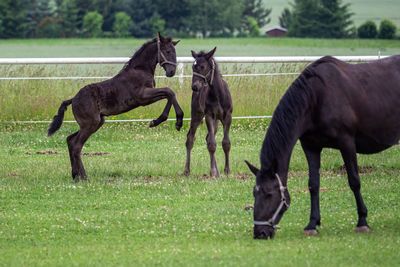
<point>359,99</point>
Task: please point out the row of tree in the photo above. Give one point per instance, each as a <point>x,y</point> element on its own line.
<point>329,19</point>
<point>138,18</point>
<point>181,18</point>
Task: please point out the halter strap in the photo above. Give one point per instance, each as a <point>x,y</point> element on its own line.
<point>160,55</point>
<point>271,222</point>
<point>212,71</point>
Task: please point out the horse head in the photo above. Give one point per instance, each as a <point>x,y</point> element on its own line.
<point>166,54</point>
<point>203,69</point>
<point>271,200</point>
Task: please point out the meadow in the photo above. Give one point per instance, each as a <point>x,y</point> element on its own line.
<point>139,210</point>
<point>363,10</point>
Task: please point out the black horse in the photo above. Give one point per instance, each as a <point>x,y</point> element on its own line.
<point>351,107</point>
<point>132,87</point>
<point>211,98</point>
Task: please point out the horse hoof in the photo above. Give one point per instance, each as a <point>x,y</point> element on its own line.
<point>363,229</point>
<point>178,126</point>
<point>152,124</point>
<point>311,232</point>
<point>248,207</point>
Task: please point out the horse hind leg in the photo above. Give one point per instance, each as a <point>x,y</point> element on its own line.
<point>349,156</point>
<point>74,166</point>
<point>75,145</point>
<point>226,144</point>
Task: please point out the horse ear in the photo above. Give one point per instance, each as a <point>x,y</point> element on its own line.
<point>211,53</point>
<point>175,43</point>
<point>253,169</point>
<point>194,54</point>
<point>160,37</point>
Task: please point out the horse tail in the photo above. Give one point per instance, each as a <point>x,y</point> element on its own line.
<point>58,119</point>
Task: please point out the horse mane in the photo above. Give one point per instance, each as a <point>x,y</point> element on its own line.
<point>296,101</point>
<point>138,52</point>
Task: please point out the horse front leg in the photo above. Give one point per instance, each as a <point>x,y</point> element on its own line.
<point>191,137</point>
<point>348,151</point>
<point>151,95</point>
<point>226,143</point>
<point>212,126</point>
<point>314,161</point>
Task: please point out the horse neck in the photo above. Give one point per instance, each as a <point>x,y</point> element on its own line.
<point>289,122</point>
<point>217,86</point>
<point>146,59</point>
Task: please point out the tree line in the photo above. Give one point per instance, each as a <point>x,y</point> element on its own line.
<point>183,18</point>
<point>124,18</point>
<point>330,19</point>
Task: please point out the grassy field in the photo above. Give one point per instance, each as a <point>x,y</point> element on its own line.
<point>38,100</point>
<point>363,10</point>
<point>226,47</point>
<point>138,210</point>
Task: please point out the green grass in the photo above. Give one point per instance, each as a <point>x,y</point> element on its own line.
<point>138,210</point>
<point>39,100</point>
<point>363,10</point>
<point>226,47</point>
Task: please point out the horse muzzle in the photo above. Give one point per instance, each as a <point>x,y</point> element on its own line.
<point>263,232</point>
<point>169,73</point>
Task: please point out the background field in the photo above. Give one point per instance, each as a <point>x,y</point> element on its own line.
<point>38,100</point>
<point>138,209</point>
<point>363,10</point>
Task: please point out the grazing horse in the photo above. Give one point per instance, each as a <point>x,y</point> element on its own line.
<point>132,87</point>
<point>354,108</point>
<point>211,98</point>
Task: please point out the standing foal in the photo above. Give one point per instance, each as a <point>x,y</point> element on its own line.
<point>211,98</point>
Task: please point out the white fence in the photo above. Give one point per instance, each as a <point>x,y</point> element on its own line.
<point>180,75</point>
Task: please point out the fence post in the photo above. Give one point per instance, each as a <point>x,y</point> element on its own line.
<point>180,72</point>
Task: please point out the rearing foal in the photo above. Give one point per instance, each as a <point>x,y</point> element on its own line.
<point>132,87</point>
<point>211,98</point>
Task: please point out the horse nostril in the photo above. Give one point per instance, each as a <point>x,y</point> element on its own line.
<point>264,234</point>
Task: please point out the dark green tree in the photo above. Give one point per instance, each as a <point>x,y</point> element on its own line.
<point>367,30</point>
<point>68,13</point>
<point>107,9</point>
<point>176,14</point>
<point>214,18</point>
<point>156,23</point>
<point>92,23</point>
<point>285,18</point>
<point>122,25</point>
<point>140,12</point>
<point>320,19</point>
<point>334,19</point>
<point>256,10</point>
<point>387,29</point>
<point>13,18</point>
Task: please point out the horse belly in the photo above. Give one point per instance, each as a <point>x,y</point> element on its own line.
<point>369,145</point>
